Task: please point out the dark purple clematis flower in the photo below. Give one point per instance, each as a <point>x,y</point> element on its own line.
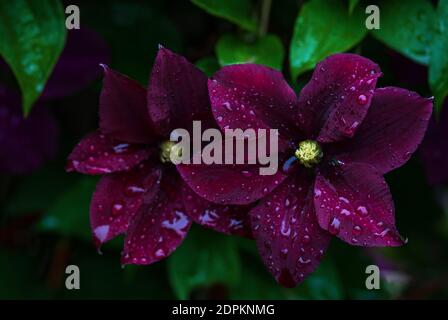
<point>434,149</point>
<point>26,143</point>
<point>141,193</point>
<point>339,137</point>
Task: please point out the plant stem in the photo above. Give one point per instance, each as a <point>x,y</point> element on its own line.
<point>264,17</point>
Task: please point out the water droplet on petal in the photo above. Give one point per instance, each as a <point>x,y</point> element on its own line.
<point>306,239</point>
<point>117,209</point>
<point>362,100</point>
<point>303,261</point>
<point>101,232</point>
<point>357,230</point>
<point>361,210</point>
<point>246,173</point>
<point>121,148</point>
<point>334,226</point>
<point>227,105</point>
<point>133,190</point>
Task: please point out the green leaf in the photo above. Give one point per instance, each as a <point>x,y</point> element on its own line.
<point>438,63</point>
<point>204,259</point>
<point>240,12</point>
<point>352,5</point>
<point>267,50</point>
<point>323,28</point>
<point>69,214</point>
<point>258,284</point>
<point>407,27</point>
<point>208,65</point>
<point>32,37</point>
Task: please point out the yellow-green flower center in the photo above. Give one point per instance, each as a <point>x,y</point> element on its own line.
<point>309,153</point>
<point>169,149</point>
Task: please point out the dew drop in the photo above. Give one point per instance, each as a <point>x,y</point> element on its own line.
<point>133,190</point>
<point>334,226</point>
<point>357,230</point>
<point>121,148</point>
<point>117,209</point>
<point>362,100</point>
<point>246,173</point>
<point>306,239</point>
<point>361,210</point>
<point>304,261</point>
<point>227,105</point>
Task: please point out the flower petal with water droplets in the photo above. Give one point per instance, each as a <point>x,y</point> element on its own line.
<point>253,96</point>
<point>287,233</point>
<point>229,184</point>
<point>232,220</point>
<point>336,100</point>
<point>123,112</point>
<point>355,204</point>
<point>98,154</point>
<point>177,94</point>
<point>118,197</point>
<point>159,227</point>
<point>390,134</point>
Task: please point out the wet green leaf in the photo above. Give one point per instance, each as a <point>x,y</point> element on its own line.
<point>204,259</point>
<point>438,63</point>
<point>32,36</point>
<point>323,28</point>
<point>324,283</point>
<point>352,5</point>
<point>240,12</point>
<point>407,27</point>
<point>267,50</point>
<point>209,65</point>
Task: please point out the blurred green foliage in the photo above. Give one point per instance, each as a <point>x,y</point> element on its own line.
<point>32,37</point>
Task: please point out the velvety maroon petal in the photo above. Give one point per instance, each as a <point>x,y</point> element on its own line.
<point>96,154</point>
<point>336,100</point>
<point>393,129</point>
<point>159,227</point>
<point>232,220</point>
<point>253,96</point>
<point>118,197</point>
<point>78,64</point>
<point>229,184</point>
<point>354,204</point>
<point>434,149</point>
<point>123,112</point>
<point>287,233</point>
<point>25,143</point>
<point>177,94</point>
